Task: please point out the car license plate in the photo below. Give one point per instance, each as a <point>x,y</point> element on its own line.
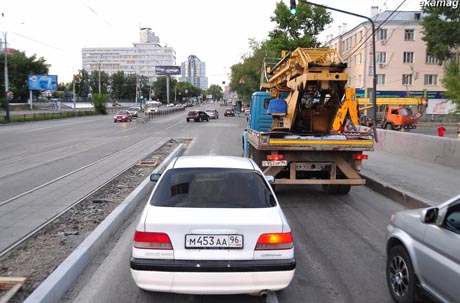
<point>214,241</point>
<point>275,163</point>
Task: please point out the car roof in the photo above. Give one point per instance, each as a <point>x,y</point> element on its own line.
<point>213,162</point>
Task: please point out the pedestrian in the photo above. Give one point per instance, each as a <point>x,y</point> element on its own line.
<point>441,130</point>
<point>458,130</point>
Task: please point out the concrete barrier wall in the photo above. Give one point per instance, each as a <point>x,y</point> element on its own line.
<point>439,150</point>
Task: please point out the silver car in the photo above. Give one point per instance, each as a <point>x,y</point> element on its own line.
<point>212,113</point>
<point>423,253</point>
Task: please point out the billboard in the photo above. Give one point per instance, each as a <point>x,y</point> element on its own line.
<point>167,70</point>
<point>43,82</point>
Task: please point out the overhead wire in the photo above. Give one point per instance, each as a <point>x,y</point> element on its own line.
<point>378,28</point>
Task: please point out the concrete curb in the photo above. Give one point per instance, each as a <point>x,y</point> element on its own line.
<point>63,278</point>
<point>404,198</point>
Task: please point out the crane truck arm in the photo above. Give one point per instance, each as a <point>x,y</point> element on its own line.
<point>314,81</point>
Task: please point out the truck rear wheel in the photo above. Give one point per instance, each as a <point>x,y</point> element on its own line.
<point>336,189</point>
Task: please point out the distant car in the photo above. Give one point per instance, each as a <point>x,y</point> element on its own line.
<point>423,253</point>
<point>229,112</point>
<point>212,113</point>
<point>134,111</point>
<point>122,116</point>
<point>170,105</point>
<point>212,225</point>
<point>197,116</point>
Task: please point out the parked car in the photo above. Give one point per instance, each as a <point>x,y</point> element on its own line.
<point>122,116</point>
<point>212,113</point>
<point>197,116</point>
<point>134,111</point>
<point>212,225</point>
<point>423,253</point>
<point>229,112</point>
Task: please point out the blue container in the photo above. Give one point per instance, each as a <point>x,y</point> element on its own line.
<point>277,106</point>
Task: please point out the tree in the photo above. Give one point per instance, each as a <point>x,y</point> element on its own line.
<point>118,84</point>
<point>452,83</point>
<point>100,103</point>
<point>442,34</point>
<point>216,92</point>
<point>19,68</point>
<point>184,91</point>
<point>94,82</point>
<point>290,32</point>
<point>442,31</point>
<point>298,30</point>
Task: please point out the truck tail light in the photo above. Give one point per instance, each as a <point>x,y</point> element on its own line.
<point>275,157</point>
<point>148,240</point>
<point>275,241</point>
<point>360,156</point>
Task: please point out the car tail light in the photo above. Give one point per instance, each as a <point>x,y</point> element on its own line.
<point>148,240</point>
<point>360,156</point>
<point>275,157</point>
<point>275,241</point>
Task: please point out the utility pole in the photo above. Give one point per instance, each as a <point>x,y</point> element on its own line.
<point>7,94</point>
<point>73,90</point>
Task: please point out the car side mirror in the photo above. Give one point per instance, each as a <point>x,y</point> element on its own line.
<point>155,177</point>
<point>429,215</point>
<point>270,179</point>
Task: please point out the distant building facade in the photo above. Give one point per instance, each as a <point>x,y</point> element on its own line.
<point>403,67</point>
<point>193,71</point>
<point>141,59</point>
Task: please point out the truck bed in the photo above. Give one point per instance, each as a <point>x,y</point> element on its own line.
<point>350,141</point>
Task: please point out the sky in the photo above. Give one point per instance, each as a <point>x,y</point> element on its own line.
<point>216,31</point>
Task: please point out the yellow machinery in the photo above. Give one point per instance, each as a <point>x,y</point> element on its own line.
<point>314,81</point>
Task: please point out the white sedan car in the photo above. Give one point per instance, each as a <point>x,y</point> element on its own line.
<point>212,225</point>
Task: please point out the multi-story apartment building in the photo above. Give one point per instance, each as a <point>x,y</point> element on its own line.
<point>140,59</point>
<point>193,71</point>
<point>403,67</point>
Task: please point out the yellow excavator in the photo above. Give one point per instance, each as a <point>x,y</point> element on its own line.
<point>314,80</point>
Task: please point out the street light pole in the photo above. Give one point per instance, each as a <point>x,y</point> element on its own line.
<point>99,74</point>
<point>7,103</point>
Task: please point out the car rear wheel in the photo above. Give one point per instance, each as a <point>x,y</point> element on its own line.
<point>400,275</point>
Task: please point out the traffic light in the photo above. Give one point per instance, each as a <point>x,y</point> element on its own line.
<point>293,8</point>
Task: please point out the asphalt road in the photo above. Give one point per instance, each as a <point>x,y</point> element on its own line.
<point>339,240</point>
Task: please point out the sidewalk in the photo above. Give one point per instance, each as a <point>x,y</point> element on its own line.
<point>412,182</point>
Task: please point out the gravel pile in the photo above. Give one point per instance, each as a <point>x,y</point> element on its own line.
<point>42,254</point>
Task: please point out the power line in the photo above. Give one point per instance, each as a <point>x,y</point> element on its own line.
<point>379,27</point>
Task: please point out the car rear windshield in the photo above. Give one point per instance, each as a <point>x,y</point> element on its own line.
<point>212,188</point>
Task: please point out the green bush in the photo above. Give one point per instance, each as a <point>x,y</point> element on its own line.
<point>99,102</point>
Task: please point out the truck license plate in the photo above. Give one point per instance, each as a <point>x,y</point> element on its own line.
<point>214,241</point>
<point>275,163</point>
